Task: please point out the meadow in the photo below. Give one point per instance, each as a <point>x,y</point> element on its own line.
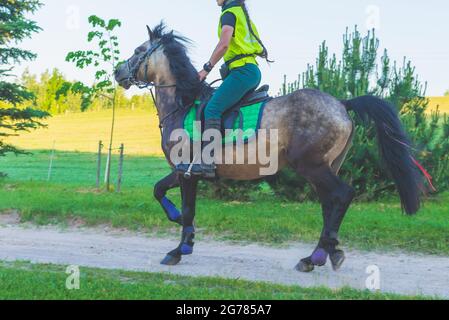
<point>442,103</point>
<point>81,132</point>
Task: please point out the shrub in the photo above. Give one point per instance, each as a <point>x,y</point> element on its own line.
<point>357,74</point>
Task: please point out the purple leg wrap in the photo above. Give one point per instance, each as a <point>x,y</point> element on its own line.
<point>186,249</point>
<point>187,241</point>
<point>319,257</point>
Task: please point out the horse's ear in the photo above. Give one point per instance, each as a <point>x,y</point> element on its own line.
<point>150,33</point>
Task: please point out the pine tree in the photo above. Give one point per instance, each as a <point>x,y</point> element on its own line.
<point>358,73</point>
<point>14,28</point>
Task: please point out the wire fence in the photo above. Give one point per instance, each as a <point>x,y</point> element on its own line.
<point>86,169</point>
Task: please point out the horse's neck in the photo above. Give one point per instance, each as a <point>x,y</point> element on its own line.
<point>166,101</point>
<point>170,119</point>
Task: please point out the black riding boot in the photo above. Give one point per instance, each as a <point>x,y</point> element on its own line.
<point>203,169</point>
<point>208,170</point>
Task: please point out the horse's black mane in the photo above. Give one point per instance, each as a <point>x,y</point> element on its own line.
<point>175,48</point>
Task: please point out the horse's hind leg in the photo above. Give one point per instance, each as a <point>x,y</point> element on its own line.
<point>338,163</point>
<point>160,193</point>
<point>335,197</point>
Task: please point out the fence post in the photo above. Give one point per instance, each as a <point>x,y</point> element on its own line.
<point>50,167</point>
<point>107,175</point>
<point>120,168</point>
<point>100,147</point>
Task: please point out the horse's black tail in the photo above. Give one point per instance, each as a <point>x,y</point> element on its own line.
<point>394,147</point>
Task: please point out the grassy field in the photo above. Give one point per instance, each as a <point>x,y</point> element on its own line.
<point>21,280</point>
<point>71,194</point>
<point>137,129</point>
<point>80,168</point>
<point>442,103</point>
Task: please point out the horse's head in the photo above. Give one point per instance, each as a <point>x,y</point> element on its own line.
<point>162,62</point>
<point>143,67</point>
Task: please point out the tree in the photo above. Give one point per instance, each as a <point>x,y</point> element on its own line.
<point>51,95</point>
<point>356,74</point>
<point>46,89</point>
<point>447,93</point>
<point>104,60</point>
<point>14,28</point>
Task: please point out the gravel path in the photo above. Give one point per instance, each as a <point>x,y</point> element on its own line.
<point>111,249</point>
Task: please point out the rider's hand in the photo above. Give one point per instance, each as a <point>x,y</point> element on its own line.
<point>203,75</point>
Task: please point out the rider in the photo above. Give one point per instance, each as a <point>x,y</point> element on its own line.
<point>239,45</point>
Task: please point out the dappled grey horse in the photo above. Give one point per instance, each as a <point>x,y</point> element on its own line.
<point>315,134</point>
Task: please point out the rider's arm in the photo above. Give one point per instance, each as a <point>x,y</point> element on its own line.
<point>223,45</point>
<point>228,22</point>
<point>219,52</point>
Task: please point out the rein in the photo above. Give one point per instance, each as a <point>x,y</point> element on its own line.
<point>165,118</point>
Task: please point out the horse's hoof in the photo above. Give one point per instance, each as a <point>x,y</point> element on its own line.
<point>305,265</point>
<point>319,257</point>
<point>337,259</point>
<point>171,260</point>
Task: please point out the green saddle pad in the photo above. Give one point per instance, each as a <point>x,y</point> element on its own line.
<point>248,120</point>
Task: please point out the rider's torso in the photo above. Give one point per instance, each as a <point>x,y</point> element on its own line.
<point>243,42</point>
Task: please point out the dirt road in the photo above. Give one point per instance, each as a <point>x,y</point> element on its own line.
<point>112,249</point>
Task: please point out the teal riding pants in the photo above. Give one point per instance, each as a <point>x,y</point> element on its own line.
<point>237,84</point>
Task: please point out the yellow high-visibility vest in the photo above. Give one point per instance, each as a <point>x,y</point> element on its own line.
<point>243,42</point>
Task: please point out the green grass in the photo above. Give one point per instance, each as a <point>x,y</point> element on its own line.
<point>80,168</point>
<point>21,280</point>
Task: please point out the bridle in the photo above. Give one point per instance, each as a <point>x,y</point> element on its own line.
<point>146,84</point>
<point>144,58</point>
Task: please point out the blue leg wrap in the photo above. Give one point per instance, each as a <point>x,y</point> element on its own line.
<point>188,234</point>
<point>170,209</point>
<point>186,249</point>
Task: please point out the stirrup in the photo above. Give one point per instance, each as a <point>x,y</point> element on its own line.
<point>201,170</point>
<point>184,167</point>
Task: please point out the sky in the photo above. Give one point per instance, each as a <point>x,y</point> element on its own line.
<point>292,30</point>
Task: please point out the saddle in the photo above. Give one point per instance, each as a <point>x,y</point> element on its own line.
<point>230,116</point>
<point>246,114</point>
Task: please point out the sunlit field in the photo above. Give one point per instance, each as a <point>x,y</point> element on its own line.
<point>137,129</point>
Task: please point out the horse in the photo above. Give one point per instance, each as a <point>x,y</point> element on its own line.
<point>315,134</point>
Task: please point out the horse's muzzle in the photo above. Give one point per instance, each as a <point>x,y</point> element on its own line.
<point>122,78</point>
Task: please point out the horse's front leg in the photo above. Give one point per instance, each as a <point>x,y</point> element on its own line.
<point>185,247</point>
<point>160,193</point>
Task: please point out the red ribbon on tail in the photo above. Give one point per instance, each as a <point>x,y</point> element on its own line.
<point>426,174</point>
